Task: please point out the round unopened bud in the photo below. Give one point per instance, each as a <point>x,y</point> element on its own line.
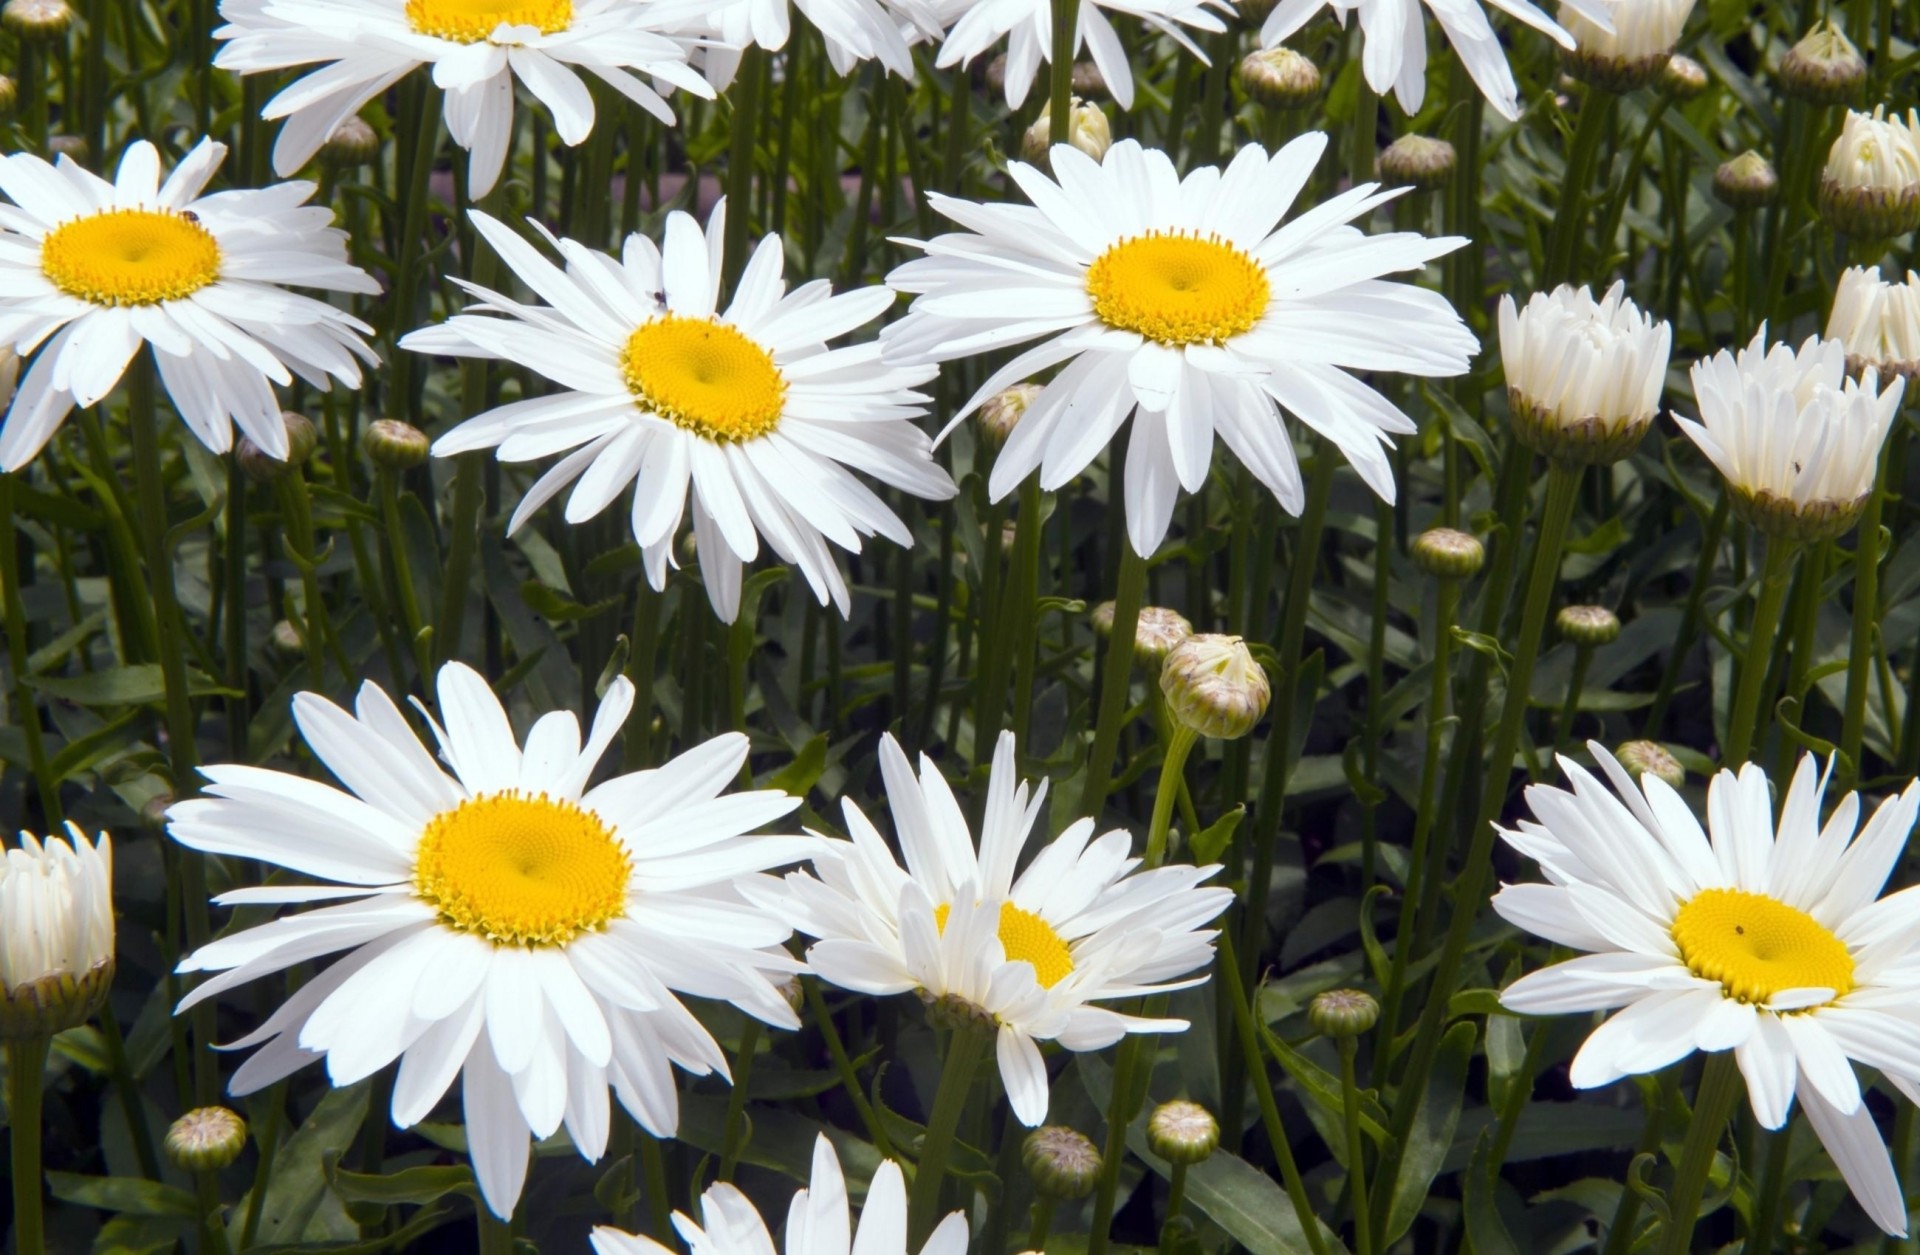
<point>1588,625</point>
<point>37,20</point>
<point>1063,1165</point>
<point>1182,1132</point>
<point>1684,78</point>
<point>9,94</point>
<point>1749,181</point>
<point>1343,1012</point>
<point>206,1139</point>
<point>1650,758</point>
<point>262,467</point>
<point>1214,687</point>
<point>394,445</point>
<point>1004,410</point>
<point>1087,130</point>
<point>353,143</point>
<point>1447,554</point>
<point>1154,637</point>
<point>72,147</point>
<point>1417,161</point>
<point>286,638</point>
<point>1824,68</point>
<point>1280,78</point>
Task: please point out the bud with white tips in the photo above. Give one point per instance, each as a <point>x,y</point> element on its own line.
<point>1003,411</point>
<point>1684,78</point>
<point>1583,376</point>
<point>1879,322</point>
<point>1870,187</point>
<point>1748,181</point>
<point>38,21</point>
<point>56,933</point>
<point>353,143</point>
<point>1087,130</point>
<point>1417,161</point>
<point>1588,626</point>
<point>1824,68</point>
<point>1214,687</point>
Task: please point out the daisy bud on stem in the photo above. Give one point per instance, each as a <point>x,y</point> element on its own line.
<point>1064,1166</point>
<point>1748,181</point>
<point>1588,627</point>
<point>1213,688</point>
<point>1634,53</point>
<point>1684,79</point>
<point>202,1142</point>
<point>1155,636</point>
<point>1417,161</point>
<point>1650,758</point>
<point>1870,187</point>
<point>353,143</point>
<point>1824,68</point>
<point>1280,78</point>
<point>1002,413</point>
<point>1182,1133</point>
<point>1087,130</point>
<point>1345,1015</point>
<point>1583,376</point>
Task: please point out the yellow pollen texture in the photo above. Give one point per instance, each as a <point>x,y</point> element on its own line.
<point>1027,939</point>
<point>1178,288</point>
<point>130,257</point>
<point>705,377</point>
<point>471,21</point>
<point>1756,946</point>
<point>522,870</point>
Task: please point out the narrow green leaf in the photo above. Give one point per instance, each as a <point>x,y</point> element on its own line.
<point>1432,1132</point>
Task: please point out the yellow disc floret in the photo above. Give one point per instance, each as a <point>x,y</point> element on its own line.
<point>1027,939</point>
<point>522,869</point>
<point>705,377</point>
<point>1757,947</point>
<point>1178,288</point>
<point>471,21</point>
<point>130,257</point>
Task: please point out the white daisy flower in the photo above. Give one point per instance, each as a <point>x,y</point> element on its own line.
<point>93,271</point>
<point>56,932</point>
<point>1879,322</point>
<point>510,925</point>
<point>477,48</point>
<point>818,1221</point>
<point>852,30</point>
<point>1027,26</point>
<point>1394,58</point>
<point>1583,376</point>
<point>1025,956</point>
<point>748,408</point>
<point>1796,439</point>
<point>1182,302</point>
<point>1770,942</point>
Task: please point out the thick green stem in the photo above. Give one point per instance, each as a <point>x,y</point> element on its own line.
<point>400,571</point>
<point>496,1235</point>
<point>964,1047</point>
<point>1563,724</point>
<point>1120,1102</point>
<point>213,1234</point>
<point>1866,627</point>
<point>1129,593</point>
<point>266,1137</point>
<point>1179,745</point>
<point>1356,1148</point>
<point>1569,224</point>
<point>464,537</point>
<point>746,117</point>
<point>131,1107</point>
<point>1042,1224</point>
<point>26,1064</point>
<point>1719,1087</point>
<point>1065,14</point>
<point>1742,720</point>
<point>1773,1184</point>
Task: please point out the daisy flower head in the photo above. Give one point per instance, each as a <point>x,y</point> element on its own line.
<point>1770,940</point>
<point>745,409</point>
<point>1631,49</point>
<point>1583,376</point>
<point>476,48</point>
<point>1188,305</point>
<point>96,271</point>
<point>1797,441</point>
<point>497,919</point>
<point>1394,58</point>
<point>818,1221</point>
<point>1878,321</point>
<point>1024,956</point>
<point>973,26</point>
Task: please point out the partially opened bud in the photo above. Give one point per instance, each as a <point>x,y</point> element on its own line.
<point>1003,411</point>
<point>1280,78</point>
<point>1684,78</point>
<point>1650,758</point>
<point>37,20</point>
<point>1824,68</point>
<point>1871,185</point>
<point>1879,322</point>
<point>1583,376</point>
<point>1087,130</point>
<point>206,1139</point>
<point>1182,1132</point>
<point>56,933</point>
<point>1214,687</point>
<point>1749,181</point>
<point>1063,1165</point>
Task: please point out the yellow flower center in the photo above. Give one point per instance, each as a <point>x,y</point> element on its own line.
<point>470,21</point>
<point>1178,289</point>
<point>522,870</point>
<point>130,257</point>
<point>706,377</point>
<point>1027,939</point>
<point>1756,946</point>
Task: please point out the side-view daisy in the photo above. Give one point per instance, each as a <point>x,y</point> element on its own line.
<point>1025,956</point>
<point>508,925</point>
<point>1767,940</point>
<point>476,48</point>
<point>746,410</point>
<point>818,1220</point>
<point>1184,303</point>
<point>93,272</point>
<point>1394,58</point>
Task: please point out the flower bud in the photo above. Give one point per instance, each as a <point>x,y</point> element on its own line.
<point>206,1139</point>
<point>1003,412</point>
<point>37,21</point>
<point>286,639</point>
<point>1063,1165</point>
<point>1447,554</point>
<point>1343,1013</point>
<point>1870,188</point>
<point>1643,758</point>
<point>353,143</point>
<point>1588,626</point>
<point>1879,322</point>
<point>1087,130</point>
<point>1634,53</point>
<point>1824,68</point>
<point>56,934</point>
<point>1417,161</point>
<point>262,467</point>
<point>1684,78</point>
<point>395,446</point>
<point>1747,182</point>
<point>1280,78</point>
<point>1583,376</point>
<point>1214,687</point>
<point>1182,1132</point>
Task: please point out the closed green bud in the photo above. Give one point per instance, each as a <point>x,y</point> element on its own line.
<point>353,143</point>
<point>394,445</point>
<point>1343,1013</point>
<point>1749,181</point>
<point>1214,687</point>
<point>206,1139</point>
<point>1062,1164</point>
<point>37,20</point>
<point>1650,758</point>
<point>1588,625</point>
<point>1280,78</point>
<point>1417,161</point>
<point>1182,1132</point>
<point>262,467</point>
<point>1447,554</point>
<point>1824,68</point>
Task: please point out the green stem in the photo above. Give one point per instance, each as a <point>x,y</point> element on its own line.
<point>1171,766</point>
<point>1719,1087</point>
<point>1126,1062</point>
<point>1563,723</point>
<point>27,707</point>
<point>1129,593</point>
<point>1042,1224</point>
<point>1065,14</point>
<point>849,1080</point>
<point>653,1166</point>
<point>733,1140</point>
<point>464,537</point>
<point>266,1137</point>
<point>1569,224</point>
<point>26,1065</point>
<point>1742,721</point>
<point>1177,1191</point>
<point>213,1234</point>
<point>1626,1213</point>
<point>965,1045</point>
<point>131,1107</point>
<point>400,571</point>
<point>746,116</point>
<point>404,302</point>
<point>1866,626</point>
<point>496,1235</point>
<point>1766,1218</point>
<point>1021,604</point>
<point>1356,1148</point>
